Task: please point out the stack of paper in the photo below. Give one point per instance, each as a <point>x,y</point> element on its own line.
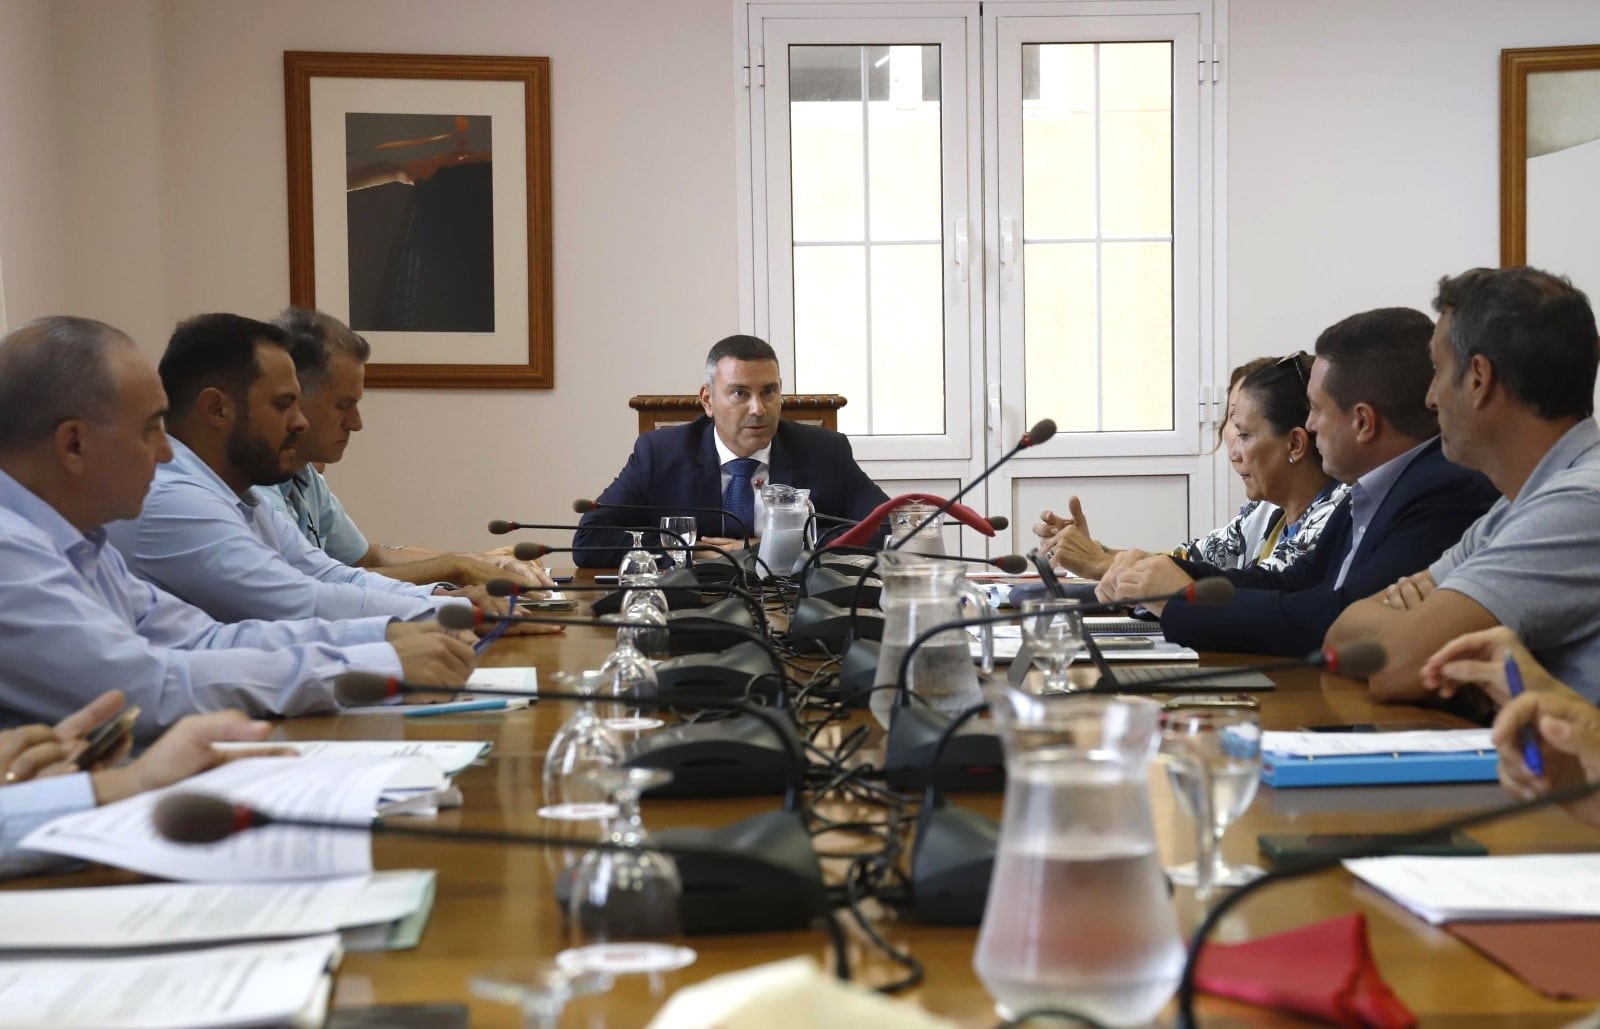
<point>187,914</point>
<point>1008,642</point>
<point>415,792</point>
<point>1453,889</point>
<point>280,983</point>
<point>337,789</point>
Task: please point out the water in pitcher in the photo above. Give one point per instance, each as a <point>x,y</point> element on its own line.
<point>941,674</point>
<point>1078,917</point>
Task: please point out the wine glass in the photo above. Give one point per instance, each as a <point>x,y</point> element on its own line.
<point>582,746</point>
<point>637,561</point>
<point>1053,629</point>
<point>623,906</point>
<point>644,602</point>
<point>627,673</point>
<point>1214,764</point>
<point>540,989</point>
<point>686,527</point>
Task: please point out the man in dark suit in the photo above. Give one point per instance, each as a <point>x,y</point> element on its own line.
<point>723,458</point>
<point>1371,424</point>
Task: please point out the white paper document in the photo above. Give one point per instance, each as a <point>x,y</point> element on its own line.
<point>1008,643</point>
<point>450,756</point>
<point>186,914</point>
<point>246,985</point>
<point>1522,886</point>
<point>1331,744</point>
<point>331,789</point>
<point>495,680</point>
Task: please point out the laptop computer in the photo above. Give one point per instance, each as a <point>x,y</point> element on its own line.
<point>1145,679</point>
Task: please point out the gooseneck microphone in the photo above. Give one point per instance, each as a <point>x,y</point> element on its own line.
<point>584,506</point>
<point>1332,858</point>
<point>1042,430</point>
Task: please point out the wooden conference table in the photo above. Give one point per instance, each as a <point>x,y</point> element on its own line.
<point>495,904</point>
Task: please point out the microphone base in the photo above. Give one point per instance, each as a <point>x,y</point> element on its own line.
<point>840,588</point>
<point>716,680</point>
<point>731,611</point>
<point>680,586</point>
<point>771,880</point>
<point>973,760</point>
<point>817,621</point>
<point>732,757</point>
<point>952,862</point>
<point>741,571</point>
<point>857,672</point>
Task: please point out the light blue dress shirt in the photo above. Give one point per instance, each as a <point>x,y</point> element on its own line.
<point>1367,494</point>
<point>27,805</point>
<point>240,558</point>
<point>307,501</point>
<point>74,622</point>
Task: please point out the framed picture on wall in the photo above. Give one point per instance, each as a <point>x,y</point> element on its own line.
<point>1550,161</point>
<point>419,212</point>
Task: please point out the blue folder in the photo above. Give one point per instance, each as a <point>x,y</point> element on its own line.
<point>1378,769</point>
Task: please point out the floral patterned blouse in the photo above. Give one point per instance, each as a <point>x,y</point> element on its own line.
<point>1239,543</point>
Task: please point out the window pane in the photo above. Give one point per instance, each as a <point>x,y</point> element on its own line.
<point>826,141</point>
<point>1136,139</point>
<point>903,143</point>
<point>1058,187</point>
<point>907,340</point>
<point>1061,365</point>
<point>830,326</point>
<point>1136,336</point>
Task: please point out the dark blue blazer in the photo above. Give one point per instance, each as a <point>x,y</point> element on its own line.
<point>677,467</point>
<point>1289,611</point>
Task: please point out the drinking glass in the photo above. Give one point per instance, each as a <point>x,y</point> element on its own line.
<point>628,673</point>
<point>686,526</point>
<point>1214,748</point>
<point>1053,629</point>
<point>539,989</point>
<point>637,561</point>
<point>582,746</point>
<point>622,911</point>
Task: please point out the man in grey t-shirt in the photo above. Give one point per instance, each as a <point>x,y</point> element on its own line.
<point>1515,355</point>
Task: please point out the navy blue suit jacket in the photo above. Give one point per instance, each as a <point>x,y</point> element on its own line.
<point>677,467</point>
<point>1289,611</point>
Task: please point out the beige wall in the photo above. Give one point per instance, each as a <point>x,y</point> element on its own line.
<point>174,203</point>
<point>142,179</point>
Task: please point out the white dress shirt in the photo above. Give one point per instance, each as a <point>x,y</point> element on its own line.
<point>25,806</point>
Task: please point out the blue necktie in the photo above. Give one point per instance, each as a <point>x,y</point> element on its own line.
<point>740,497</point>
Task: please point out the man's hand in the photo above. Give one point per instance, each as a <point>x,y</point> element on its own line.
<point>1152,575</point>
<point>183,751</point>
<point>434,659</point>
<point>1409,592</point>
<point>1566,728</point>
<point>528,573</point>
<point>1479,659</point>
<point>31,751</point>
<point>728,544</point>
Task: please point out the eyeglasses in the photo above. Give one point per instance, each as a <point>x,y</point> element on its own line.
<point>1299,369</point>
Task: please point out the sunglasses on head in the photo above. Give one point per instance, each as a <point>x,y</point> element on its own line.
<point>1299,369</point>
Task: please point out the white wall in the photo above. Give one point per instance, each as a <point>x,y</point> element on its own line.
<point>149,184</point>
<point>31,247</point>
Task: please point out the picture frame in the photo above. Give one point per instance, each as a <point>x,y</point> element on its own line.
<point>408,221</point>
<point>1549,159</point>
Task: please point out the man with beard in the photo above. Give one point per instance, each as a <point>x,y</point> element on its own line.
<point>203,534</point>
<point>722,459</point>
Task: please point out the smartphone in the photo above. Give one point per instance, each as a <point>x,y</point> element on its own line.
<point>1126,642</point>
<point>1211,700</point>
<point>106,737</point>
<point>1376,727</point>
<point>1281,847</point>
<point>548,603</point>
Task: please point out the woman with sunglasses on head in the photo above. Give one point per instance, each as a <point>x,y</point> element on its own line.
<point>1290,496</point>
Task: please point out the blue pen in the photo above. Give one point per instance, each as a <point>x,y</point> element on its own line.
<point>459,706</point>
<point>1530,748</point>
